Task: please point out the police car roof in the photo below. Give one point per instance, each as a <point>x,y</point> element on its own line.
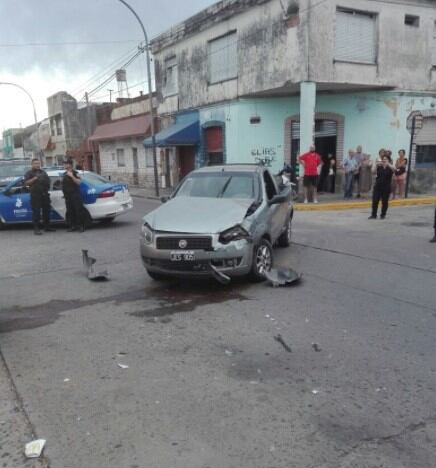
<point>60,172</point>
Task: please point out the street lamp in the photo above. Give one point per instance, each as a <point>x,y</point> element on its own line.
<point>34,109</point>
<point>150,94</point>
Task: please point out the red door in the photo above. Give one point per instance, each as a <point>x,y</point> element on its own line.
<point>186,160</point>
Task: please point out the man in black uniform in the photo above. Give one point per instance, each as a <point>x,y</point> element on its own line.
<point>39,183</point>
<point>382,187</point>
<point>73,199</point>
<point>434,226</point>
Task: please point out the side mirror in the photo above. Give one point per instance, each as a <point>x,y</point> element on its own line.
<point>164,199</point>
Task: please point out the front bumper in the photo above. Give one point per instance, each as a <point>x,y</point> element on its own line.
<point>233,259</point>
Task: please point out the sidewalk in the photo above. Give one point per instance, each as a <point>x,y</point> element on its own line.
<point>335,201</point>
<point>15,428</point>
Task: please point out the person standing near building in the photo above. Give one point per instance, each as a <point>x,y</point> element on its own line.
<point>434,227</point>
<point>310,162</point>
<point>399,179</point>
<point>382,187</point>
<point>39,185</point>
<point>359,158</point>
<point>365,179</point>
<point>73,199</point>
<point>349,165</point>
<point>332,175</point>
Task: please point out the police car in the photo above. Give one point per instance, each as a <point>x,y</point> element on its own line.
<point>102,199</point>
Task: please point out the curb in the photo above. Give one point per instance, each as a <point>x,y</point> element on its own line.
<point>362,204</point>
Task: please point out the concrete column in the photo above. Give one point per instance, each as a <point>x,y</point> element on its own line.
<point>307,115</point>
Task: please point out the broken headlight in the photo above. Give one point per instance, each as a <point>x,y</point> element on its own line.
<point>233,234</point>
<point>147,233</point>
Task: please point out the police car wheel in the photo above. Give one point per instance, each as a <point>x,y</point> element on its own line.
<point>2,225</point>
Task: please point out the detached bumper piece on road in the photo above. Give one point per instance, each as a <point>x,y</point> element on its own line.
<point>282,277</point>
<point>92,274</point>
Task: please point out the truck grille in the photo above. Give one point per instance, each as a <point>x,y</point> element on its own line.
<point>192,243</point>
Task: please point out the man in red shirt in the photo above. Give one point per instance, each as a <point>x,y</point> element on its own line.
<point>310,161</point>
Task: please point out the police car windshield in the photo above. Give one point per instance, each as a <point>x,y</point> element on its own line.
<point>93,178</point>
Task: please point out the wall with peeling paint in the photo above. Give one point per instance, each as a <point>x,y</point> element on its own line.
<point>372,119</point>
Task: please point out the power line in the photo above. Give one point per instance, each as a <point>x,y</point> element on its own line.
<point>99,75</point>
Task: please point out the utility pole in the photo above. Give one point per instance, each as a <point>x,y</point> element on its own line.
<point>150,94</point>
<point>110,95</point>
<point>409,162</point>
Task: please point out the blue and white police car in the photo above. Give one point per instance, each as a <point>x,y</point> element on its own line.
<point>102,199</point>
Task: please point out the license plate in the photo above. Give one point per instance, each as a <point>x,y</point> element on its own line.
<point>182,256</point>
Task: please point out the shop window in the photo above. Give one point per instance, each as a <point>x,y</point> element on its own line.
<point>426,156</point>
<point>214,146</point>
<point>223,58</point>
<point>120,158</point>
<point>356,37</point>
<point>171,85</point>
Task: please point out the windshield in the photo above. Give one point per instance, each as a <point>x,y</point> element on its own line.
<point>93,179</point>
<point>219,185</point>
<point>13,170</point>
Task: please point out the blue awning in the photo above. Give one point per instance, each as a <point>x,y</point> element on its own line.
<point>179,134</point>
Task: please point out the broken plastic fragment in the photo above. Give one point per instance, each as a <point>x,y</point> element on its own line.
<point>282,276</point>
<point>228,353</point>
<point>315,392</point>
<point>93,275</point>
<point>66,380</point>
<point>34,449</point>
<point>316,347</point>
<point>123,366</point>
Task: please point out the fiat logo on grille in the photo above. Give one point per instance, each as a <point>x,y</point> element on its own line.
<point>183,244</point>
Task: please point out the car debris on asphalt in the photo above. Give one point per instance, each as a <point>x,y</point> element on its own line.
<point>122,366</point>
<point>89,265</point>
<point>34,449</point>
<point>316,347</point>
<point>282,277</point>
<point>280,340</point>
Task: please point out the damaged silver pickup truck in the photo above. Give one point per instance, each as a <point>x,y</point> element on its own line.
<point>221,221</point>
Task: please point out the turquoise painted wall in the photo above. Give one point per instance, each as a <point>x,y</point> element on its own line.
<point>372,119</point>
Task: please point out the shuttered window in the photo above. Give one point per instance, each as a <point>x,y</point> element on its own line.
<point>427,134</point>
<point>323,128</point>
<point>355,37</point>
<point>223,58</point>
<point>433,46</point>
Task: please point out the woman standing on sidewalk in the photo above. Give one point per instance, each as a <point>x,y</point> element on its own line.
<point>399,179</point>
<point>365,180</point>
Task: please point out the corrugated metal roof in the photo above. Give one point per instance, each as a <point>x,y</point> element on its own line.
<point>137,126</point>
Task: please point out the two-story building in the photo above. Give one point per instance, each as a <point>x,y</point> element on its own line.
<point>263,79</point>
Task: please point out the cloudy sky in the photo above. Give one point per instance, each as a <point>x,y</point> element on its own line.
<point>52,45</point>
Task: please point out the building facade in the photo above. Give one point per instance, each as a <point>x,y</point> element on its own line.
<point>269,77</point>
<point>119,144</point>
<point>70,126</point>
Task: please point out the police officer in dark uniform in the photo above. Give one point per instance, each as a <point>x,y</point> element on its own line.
<point>39,183</point>
<point>382,187</point>
<point>73,199</point>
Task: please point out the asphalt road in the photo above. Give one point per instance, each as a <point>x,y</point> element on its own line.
<point>207,385</point>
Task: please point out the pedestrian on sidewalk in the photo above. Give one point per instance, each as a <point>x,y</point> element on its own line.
<point>382,187</point>
<point>73,199</point>
<point>310,162</point>
<point>38,182</point>
<point>359,157</point>
<point>399,179</point>
<point>349,165</point>
<point>434,227</point>
<point>332,175</point>
<point>365,179</point>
